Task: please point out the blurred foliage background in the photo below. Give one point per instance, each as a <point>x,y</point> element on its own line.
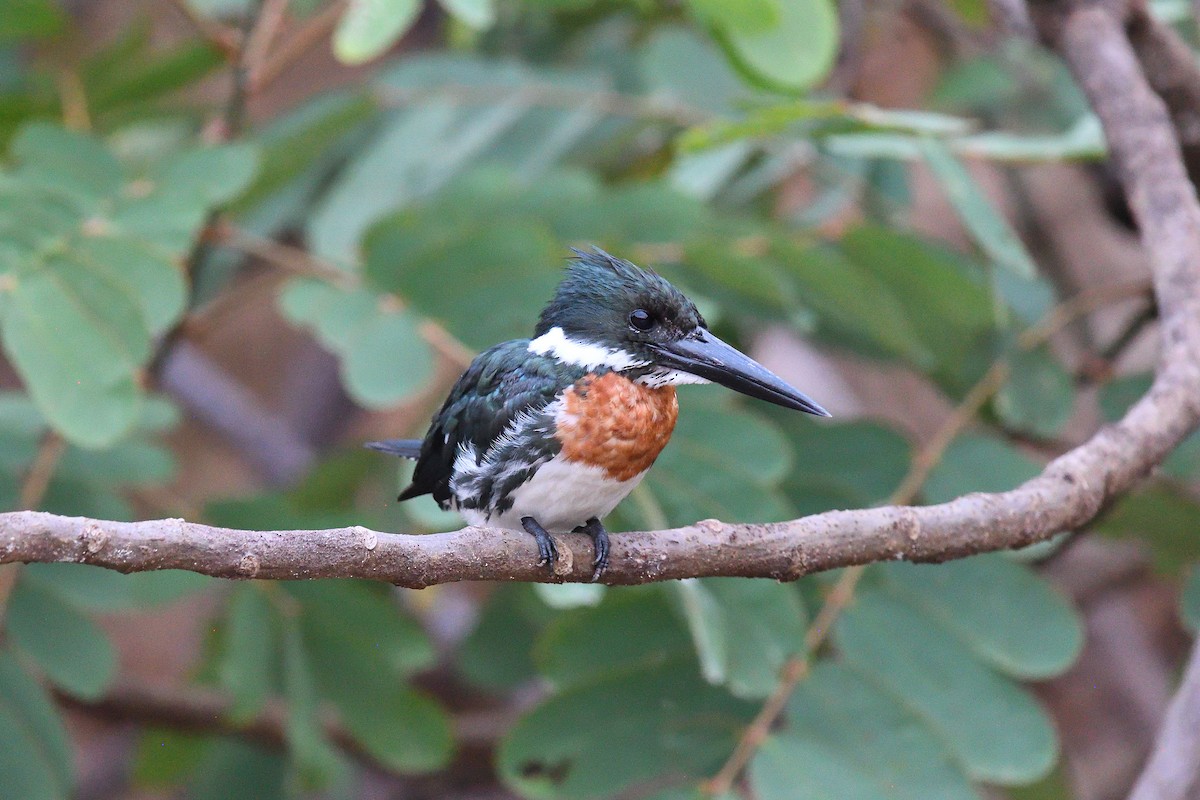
<point>238,238</point>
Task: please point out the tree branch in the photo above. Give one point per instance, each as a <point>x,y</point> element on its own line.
<point>1173,771</point>
<point>1170,67</point>
<point>1070,492</point>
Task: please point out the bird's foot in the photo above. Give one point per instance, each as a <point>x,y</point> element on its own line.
<point>547,552</point>
<point>595,529</point>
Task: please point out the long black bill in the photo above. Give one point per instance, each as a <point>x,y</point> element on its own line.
<point>706,356</point>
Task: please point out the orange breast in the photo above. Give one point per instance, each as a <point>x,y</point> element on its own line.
<point>615,424</point>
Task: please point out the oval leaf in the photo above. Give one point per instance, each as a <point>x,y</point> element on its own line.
<point>791,55</point>
<point>370,27</point>
<point>65,643</point>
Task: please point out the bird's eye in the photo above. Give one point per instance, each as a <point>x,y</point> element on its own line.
<point>641,319</point>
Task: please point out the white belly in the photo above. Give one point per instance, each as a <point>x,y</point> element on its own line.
<point>561,495</point>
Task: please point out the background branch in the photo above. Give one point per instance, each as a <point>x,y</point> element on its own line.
<point>1173,771</point>
<point>201,710</point>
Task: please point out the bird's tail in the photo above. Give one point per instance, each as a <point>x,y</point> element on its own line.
<point>405,448</point>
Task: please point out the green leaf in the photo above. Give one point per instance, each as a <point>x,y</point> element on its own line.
<point>1115,399</point>
<point>1163,516</point>
<point>498,653</point>
<point>384,359</point>
<point>404,729</point>
<point>216,175</point>
<point>791,55</point>
<point>989,228</point>
<point>744,630</point>
<point>369,28</point>
<point>587,644</point>
<point>1029,299</point>
<point>978,463</point>
<point>24,762</point>
<point>74,163</point>
<point>1084,140</point>
<point>143,273</point>
<point>501,273</point>
<point>1189,604</point>
<point>849,298</point>
<point>745,16</point>
<point>248,659</point>
<point>77,340</point>
<point>812,118</point>
<point>501,243</point>
<point>124,80</point>
<point>128,463</point>
<point>678,64</point>
<point>1002,610</point>
<point>1119,394</point>
<point>30,19</point>
<point>314,762</point>
<point>64,642</point>
<point>366,619</point>
<point>597,739</point>
<point>570,595</point>
<point>478,14</point>
<point>992,726</point>
<point>104,590</point>
<point>166,758</point>
<point>855,464</point>
<point>943,300</point>
<point>86,481</point>
<point>92,269</point>
<point>296,148</point>
<point>850,740</point>
<point>422,149</point>
<point>35,754</point>
<point>360,647</point>
<point>233,763</point>
<point>1039,395</point>
<point>753,284</point>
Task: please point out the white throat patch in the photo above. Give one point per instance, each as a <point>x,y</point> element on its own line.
<point>669,377</point>
<point>588,355</point>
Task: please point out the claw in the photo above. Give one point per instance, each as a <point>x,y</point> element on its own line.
<point>547,552</point>
<point>599,535</point>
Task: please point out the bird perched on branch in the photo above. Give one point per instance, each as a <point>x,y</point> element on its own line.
<point>548,434</point>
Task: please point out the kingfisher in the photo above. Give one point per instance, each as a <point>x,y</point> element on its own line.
<point>548,434</point>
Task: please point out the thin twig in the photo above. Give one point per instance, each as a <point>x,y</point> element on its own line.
<point>294,260</point>
<point>8,581</point>
<point>224,38</point>
<point>796,668</point>
<point>1113,350</point>
<point>298,261</point>
<point>611,103</point>
<point>262,35</point>
<point>37,480</point>
<point>73,96</point>
<point>931,453</point>
<point>234,117</point>
<point>33,490</point>
<point>227,126</point>
<point>1081,304</point>
<point>447,344</point>
<point>193,709</point>
<point>296,45</point>
<point>1173,769</point>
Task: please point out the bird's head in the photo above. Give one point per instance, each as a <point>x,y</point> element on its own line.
<point>610,313</point>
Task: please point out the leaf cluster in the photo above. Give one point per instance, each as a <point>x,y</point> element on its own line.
<point>440,194</point>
